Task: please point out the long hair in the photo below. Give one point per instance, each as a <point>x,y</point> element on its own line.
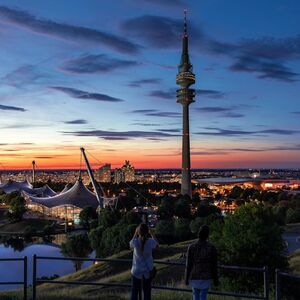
<point>143,231</point>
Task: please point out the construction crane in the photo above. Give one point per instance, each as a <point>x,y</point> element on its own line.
<point>94,182</point>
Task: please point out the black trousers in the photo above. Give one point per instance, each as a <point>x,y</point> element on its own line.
<point>138,285</point>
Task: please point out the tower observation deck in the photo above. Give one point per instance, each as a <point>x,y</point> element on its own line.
<point>185,96</point>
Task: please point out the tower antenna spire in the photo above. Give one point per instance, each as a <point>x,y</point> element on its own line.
<point>185,23</point>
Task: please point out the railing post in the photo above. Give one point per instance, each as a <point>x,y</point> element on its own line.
<point>266,283</point>
<point>277,285</point>
<point>34,277</point>
<point>25,279</point>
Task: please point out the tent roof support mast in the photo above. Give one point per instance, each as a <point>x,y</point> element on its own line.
<point>94,183</point>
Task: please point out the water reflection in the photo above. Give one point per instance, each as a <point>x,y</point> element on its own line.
<point>15,248</point>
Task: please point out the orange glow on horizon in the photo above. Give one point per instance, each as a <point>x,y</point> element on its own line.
<point>70,159</point>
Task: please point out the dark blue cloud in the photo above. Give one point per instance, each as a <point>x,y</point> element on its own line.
<point>140,82</point>
<point>75,122</point>
<point>64,31</point>
<point>168,130</point>
<point>265,68</point>
<point>265,56</point>
<point>158,31</point>
<point>13,108</point>
<point>157,113</point>
<point>100,63</point>
<point>145,124</point>
<point>23,75</point>
<point>210,93</point>
<point>171,94</point>
<point>214,131</point>
<point>121,135</point>
<point>213,109</point>
<point>79,94</point>
<point>225,112</point>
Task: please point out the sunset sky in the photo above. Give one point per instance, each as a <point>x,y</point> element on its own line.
<point>101,74</point>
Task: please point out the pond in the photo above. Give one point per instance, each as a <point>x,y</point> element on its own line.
<point>13,271</point>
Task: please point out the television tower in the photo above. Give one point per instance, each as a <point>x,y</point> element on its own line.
<point>185,96</point>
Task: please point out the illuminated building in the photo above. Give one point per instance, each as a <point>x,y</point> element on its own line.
<point>105,173</point>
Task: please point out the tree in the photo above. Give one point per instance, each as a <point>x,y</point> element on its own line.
<point>182,229</point>
<point>17,208</point>
<point>205,210</point>
<point>76,245</point>
<point>250,237</point>
<point>87,215</point>
<point>196,224</point>
<point>182,209</point>
<point>236,192</point>
<point>166,209</point>
<point>108,217</point>
<point>48,231</point>
<point>95,238</point>
<point>280,214</point>
<point>115,237</point>
<point>165,231</point>
<point>292,216</point>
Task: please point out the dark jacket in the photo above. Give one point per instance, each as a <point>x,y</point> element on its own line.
<point>201,261</point>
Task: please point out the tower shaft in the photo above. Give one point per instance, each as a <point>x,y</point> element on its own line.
<point>186,187</point>
<point>185,96</point>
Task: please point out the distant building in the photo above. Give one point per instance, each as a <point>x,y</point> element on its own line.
<point>128,171</point>
<point>105,173</point>
<point>125,174</point>
<point>119,176</point>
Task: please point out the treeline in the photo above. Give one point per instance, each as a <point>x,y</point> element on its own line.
<point>285,205</point>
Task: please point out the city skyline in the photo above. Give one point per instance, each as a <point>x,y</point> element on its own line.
<point>103,77</point>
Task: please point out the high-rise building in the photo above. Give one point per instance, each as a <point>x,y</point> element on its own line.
<point>128,170</point>
<point>185,96</point>
<point>118,176</point>
<point>105,173</point>
<point>124,174</point>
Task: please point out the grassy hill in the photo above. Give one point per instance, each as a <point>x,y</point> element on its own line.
<point>120,273</point>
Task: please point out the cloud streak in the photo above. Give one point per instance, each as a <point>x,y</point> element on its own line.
<point>121,135</point>
<point>64,31</point>
<point>96,63</point>
<point>141,82</point>
<point>76,122</point>
<point>266,56</point>
<point>157,113</point>
<point>79,94</point>
<point>12,108</point>
<point>214,131</point>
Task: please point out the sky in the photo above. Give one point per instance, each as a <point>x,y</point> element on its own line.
<point>101,75</point>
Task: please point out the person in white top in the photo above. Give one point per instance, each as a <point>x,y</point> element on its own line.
<point>142,243</point>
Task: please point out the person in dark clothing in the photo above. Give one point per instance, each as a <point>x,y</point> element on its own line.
<point>201,265</point>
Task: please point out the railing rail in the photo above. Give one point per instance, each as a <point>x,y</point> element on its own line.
<point>36,280</point>
<point>278,282</point>
<point>24,282</point>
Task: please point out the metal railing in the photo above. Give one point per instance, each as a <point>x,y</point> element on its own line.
<point>24,282</point>
<point>36,280</point>
<point>279,276</point>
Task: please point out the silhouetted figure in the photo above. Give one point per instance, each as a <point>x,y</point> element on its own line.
<point>201,265</point>
<point>142,243</point>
